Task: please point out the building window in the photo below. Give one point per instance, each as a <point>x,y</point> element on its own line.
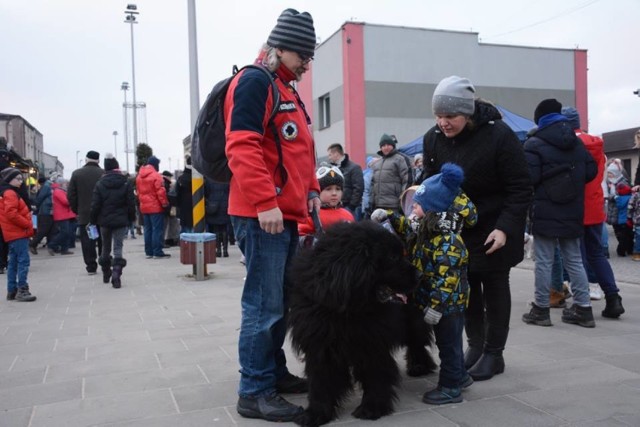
<point>325,111</point>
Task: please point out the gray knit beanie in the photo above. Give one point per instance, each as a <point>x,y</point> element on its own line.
<point>294,31</point>
<point>453,96</point>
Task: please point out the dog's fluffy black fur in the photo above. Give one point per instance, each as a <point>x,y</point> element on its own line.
<point>345,324</point>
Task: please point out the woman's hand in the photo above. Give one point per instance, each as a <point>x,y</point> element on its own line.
<point>495,240</point>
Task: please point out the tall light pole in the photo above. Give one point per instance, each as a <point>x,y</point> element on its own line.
<point>125,87</point>
<point>77,152</point>
<point>130,18</point>
<point>115,144</point>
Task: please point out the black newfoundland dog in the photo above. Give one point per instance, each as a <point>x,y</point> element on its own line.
<point>348,316</point>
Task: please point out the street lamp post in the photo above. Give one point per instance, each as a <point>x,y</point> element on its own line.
<point>130,18</point>
<point>125,87</point>
<point>115,144</point>
<point>77,161</point>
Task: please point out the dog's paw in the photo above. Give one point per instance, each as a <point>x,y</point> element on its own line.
<point>372,411</point>
<point>311,419</point>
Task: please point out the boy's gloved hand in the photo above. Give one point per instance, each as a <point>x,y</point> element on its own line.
<point>431,316</point>
<point>379,215</point>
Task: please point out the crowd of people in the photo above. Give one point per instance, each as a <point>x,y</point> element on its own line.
<point>472,194</point>
<point>100,207</point>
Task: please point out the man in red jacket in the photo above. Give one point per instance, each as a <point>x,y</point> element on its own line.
<point>153,203</point>
<point>265,204</point>
<point>594,217</point>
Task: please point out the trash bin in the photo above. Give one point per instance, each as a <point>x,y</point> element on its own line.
<point>192,243</point>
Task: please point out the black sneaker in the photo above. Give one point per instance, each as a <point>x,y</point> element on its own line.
<point>537,316</point>
<point>33,250</point>
<point>163,256</point>
<point>292,384</point>
<point>11,295</point>
<point>442,395</point>
<point>578,315</point>
<point>270,408</point>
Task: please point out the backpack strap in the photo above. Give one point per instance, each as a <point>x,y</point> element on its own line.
<point>275,92</point>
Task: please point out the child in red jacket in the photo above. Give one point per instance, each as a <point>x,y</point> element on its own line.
<point>331,181</point>
<point>17,228</point>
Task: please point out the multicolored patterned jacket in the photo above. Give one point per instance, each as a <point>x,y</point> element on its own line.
<point>436,248</point>
<point>633,209</point>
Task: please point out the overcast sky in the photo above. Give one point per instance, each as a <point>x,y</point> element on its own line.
<point>63,61</point>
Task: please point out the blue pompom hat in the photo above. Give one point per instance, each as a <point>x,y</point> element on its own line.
<point>437,192</point>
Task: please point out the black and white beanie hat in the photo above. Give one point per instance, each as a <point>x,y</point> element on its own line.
<point>294,31</point>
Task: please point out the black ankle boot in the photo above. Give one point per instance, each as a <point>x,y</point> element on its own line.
<point>614,308</point>
<point>471,356</point>
<point>487,366</point>
<point>105,264</point>
<point>118,265</point>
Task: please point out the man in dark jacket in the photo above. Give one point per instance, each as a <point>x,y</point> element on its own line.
<point>184,198</point>
<point>559,166</point>
<point>353,180</point>
<point>79,193</point>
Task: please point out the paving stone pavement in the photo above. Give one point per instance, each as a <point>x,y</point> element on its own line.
<point>161,351</point>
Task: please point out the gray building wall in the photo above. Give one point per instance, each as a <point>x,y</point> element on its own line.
<point>404,65</point>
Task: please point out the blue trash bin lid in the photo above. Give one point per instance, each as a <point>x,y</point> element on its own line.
<point>197,237</point>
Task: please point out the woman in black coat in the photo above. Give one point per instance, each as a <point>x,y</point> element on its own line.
<point>113,208</point>
<point>470,133</point>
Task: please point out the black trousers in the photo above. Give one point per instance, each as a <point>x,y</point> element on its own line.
<point>45,229</point>
<point>489,310</point>
<point>90,249</point>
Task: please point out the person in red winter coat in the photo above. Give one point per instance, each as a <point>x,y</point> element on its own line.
<point>17,228</point>
<point>62,217</point>
<point>592,248</point>
<point>153,204</point>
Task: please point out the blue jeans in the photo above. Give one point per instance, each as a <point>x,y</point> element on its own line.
<point>153,234</point>
<point>62,238</point>
<point>18,265</point>
<point>572,260</point>
<point>448,334</point>
<point>593,257</point>
<point>557,271</point>
<point>264,304</point>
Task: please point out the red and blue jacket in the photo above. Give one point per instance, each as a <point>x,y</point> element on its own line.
<point>256,185</point>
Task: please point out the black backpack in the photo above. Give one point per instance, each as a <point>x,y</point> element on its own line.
<point>208,139</point>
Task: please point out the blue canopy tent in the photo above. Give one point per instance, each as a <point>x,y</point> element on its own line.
<point>520,125</point>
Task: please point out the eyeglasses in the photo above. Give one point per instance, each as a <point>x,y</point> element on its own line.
<point>305,59</point>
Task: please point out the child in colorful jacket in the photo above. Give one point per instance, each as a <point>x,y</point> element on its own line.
<point>432,234</point>
<point>633,220</point>
<point>17,228</point>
